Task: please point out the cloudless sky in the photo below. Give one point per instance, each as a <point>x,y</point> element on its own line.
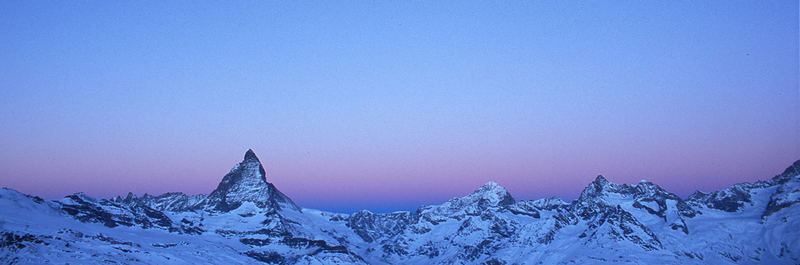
<point>387,105</point>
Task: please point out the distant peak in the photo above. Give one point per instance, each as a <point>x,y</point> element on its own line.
<point>600,180</point>
<point>250,155</point>
<point>491,184</point>
<point>493,193</point>
<point>597,188</point>
<point>646,183</point>
<point>793,169</point>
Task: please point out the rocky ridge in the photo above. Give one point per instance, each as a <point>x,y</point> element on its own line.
<point>248,219</point>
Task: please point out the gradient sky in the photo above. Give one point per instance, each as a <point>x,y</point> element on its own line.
<point>387,105</point>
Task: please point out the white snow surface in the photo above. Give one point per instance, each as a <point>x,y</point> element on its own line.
<point>749,223</point>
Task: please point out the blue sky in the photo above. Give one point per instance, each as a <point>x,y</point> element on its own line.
<point>387,105</point>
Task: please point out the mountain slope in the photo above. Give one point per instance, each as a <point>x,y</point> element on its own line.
<point>247,183</point>
<point>247,219</point>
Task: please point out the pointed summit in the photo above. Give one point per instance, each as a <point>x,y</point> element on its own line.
<point>600,187</point>
<point>250,155</point>
<point>600,180</point>
<point>491,194</point>
<point>490,186</point>
<point>247,182</point>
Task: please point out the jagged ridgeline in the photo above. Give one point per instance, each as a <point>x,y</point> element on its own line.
<point>246,219</point>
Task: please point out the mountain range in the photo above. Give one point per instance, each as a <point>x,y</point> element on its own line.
<point>246,219</point>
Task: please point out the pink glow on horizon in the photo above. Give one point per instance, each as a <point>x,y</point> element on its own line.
<point>391,104</point>
<point>377,183</point>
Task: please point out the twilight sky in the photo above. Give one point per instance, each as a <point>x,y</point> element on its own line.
<point>387,105</point>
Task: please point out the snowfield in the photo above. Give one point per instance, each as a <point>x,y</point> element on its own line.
<point>247,220</point>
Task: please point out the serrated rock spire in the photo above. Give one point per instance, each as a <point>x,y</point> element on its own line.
<point>250,155</point>
<point>247,182</point>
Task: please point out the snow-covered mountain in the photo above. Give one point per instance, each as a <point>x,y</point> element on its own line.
<point>247,219</point>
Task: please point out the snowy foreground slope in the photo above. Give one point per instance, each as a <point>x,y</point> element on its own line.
<point>248,220</point>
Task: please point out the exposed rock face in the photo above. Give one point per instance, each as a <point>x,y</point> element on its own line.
<point>783,189</point>
<point>372,227</point>
<point>247,183</point>
<point>113,214</point>
<point>247,219</point>
<point>172,201</point>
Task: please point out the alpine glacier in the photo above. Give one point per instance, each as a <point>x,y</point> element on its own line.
<point>247,220</point>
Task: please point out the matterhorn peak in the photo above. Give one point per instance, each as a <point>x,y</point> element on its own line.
<point>250,155</point>
<point>247,182</point>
